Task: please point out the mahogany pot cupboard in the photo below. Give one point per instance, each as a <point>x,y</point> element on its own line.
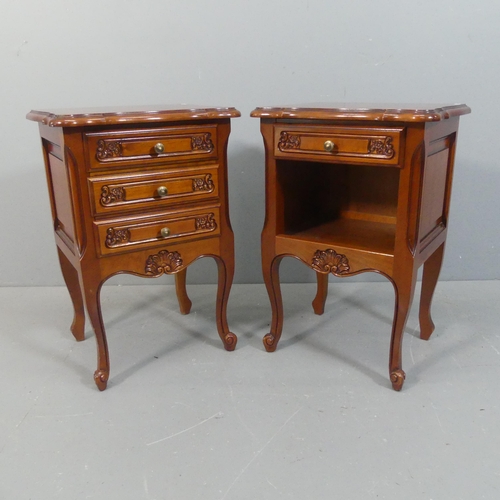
<point>140,191</point>
<point>349,189</point>
<point>352,189</point>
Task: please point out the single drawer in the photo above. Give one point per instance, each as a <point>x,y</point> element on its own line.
<point>149,190</point>
<point>135,147</point>
<point>371,145</point>
<point>149,231</point>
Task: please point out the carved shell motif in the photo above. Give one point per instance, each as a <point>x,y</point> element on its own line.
<point>108,149</point>
<point>164,262</point>
<point>288,141</point>
<point>329,261</point>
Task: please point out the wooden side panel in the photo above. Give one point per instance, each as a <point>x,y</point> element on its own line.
<point>434,188</point>
<point>435,184</point>
<point>60,191</point>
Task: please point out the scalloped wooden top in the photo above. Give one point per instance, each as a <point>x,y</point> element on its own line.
<point>129,114</point>
<point>368,112</point>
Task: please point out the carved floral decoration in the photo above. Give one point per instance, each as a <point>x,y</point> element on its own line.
<point>329,261</point>
<point>202,142</point>
<point>381,147</point>
<point>112,195</point>
<point>108,149</point>
<point>203,184</point>
<point>288,141</point>
<point>207,223</point>
<point>164,262</point>
<point>117,237</point>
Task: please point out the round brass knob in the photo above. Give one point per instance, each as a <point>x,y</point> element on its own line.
<point>329,146</point>
<point>165,231</point>
<point>162,191</point>
<point>159,148</point>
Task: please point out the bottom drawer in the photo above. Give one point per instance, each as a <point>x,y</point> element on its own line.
<point>132,234</point>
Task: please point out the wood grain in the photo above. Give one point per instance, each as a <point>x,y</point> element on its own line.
<point>374,198</point>
<point>121,205</point>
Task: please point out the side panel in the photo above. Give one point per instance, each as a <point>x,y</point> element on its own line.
<point>60,190</point>
<point>436,182</point>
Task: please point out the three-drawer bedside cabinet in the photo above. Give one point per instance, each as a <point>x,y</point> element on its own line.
<point>357,188</point>
<point>140,191</point>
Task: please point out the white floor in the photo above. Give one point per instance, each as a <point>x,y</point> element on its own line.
<point>184,419</point>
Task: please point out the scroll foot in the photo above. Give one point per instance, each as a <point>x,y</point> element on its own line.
<point>230,340</point>
<point>269,342</point>
<point>101,379</point>
<point>397,379</point>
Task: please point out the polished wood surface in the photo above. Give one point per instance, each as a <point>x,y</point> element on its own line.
<point>352,145</point>
<point>140,191</point>
<point>128,114</point>
<point>365,112</point>
<point>353,189</point>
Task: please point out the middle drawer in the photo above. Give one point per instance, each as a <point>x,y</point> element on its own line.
<point>111,194</point>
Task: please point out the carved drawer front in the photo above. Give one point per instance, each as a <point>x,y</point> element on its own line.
<point>373,145</point>
<point>143,232</point>
<point>131,192</point>
<point>126,148</point>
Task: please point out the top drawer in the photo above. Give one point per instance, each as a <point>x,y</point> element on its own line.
<point>372,145</point>
<point>123,148</point>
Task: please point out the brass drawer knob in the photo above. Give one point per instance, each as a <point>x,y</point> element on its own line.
<point>165,231</point>
<point>329,146</point>
<point>159,148</point>
<point>162,191</point>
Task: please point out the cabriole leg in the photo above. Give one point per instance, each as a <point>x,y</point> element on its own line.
<point>270,270</point>
<point>225,280</point>
<point>321,293</point>
<point>70,276</point>
<point>404,290</point>
<point>432,267</point>
<point>180,288</point>
<point>93,303</point>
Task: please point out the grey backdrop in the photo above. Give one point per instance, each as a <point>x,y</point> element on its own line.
<point>251,53</point>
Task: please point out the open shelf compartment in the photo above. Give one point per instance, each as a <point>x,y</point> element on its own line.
<point>350,206</point>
